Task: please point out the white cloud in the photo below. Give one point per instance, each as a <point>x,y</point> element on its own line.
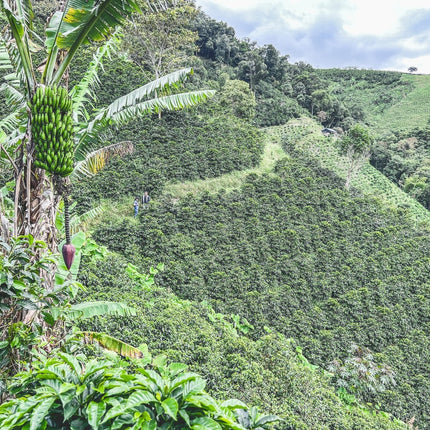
<point>334,33</point>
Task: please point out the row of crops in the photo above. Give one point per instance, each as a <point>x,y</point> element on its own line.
<point>304,134</point>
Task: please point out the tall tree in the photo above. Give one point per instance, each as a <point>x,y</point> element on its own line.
<point>356,146</point>
<point>161,41</point>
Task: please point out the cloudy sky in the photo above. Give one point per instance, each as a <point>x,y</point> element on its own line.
<point>374,34</point>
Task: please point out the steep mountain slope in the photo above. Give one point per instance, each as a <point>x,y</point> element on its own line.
<point>292,250</point>
<point>305,135</point>
<point>270,372</point>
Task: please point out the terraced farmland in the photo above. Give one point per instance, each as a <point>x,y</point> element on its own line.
<point>305,134</point>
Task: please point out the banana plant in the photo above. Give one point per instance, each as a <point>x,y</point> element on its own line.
<point>21,290</point>
<point>76,23</point>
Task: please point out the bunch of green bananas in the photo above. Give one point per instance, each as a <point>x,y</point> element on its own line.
<point>52,130</point>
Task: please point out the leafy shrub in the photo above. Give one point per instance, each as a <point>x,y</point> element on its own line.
<point>268,372</point>
<point>68,392</point>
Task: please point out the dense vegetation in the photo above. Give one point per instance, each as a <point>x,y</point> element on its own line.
<point>178,147</point>
<point>270,372</point>
<point>403,157</point>
<point>296,253</point>
<point>291,265</point>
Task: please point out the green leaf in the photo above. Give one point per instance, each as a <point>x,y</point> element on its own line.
<point>140,397</point>
<point>19,15</point>
<point>114,412</point>
<point>66,392</point>
<point>87,310</point>
<point>96,160</point>
<point>95,412</point>
<point>205,423</point>
<point>117,388</point>
<point>85,21</point>
<point>203,401</point>
<point>113,344</point>
<point>182,379</point>
<point>233,404</point>
<point>72,362</point>
<point>165,103</point>
<point>78,424</point>
<point>170,407</point>
<point>71,408</point>
<point>154,377</point>
<point>123,420</point>
<point>40,412</point>
<point>149,425</point>
<point>19,285</point>
<point>183,413</point>
<point>48,318</point>
<point>193,387</point>
<point>267,419</point>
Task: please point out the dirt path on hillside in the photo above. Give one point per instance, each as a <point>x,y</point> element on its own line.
<point>230,181</point>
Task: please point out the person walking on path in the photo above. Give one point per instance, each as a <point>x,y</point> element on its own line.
<point>145,199</point>
<point>136,206</point>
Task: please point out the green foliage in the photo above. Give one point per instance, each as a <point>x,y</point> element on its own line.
<point>295,252</point>
<point>305,136</point>
<point>162,41</point>
<point>22,292</point>
<point>403,157</point>
<point>34,316</point>
<point>68,392</point>
<point>356,146</point>
<point>365,93</point>
<point>356,142</point>
<point>238,99</point>
<point>273,108</point>
<point>269,372</point>
<point>409,107</point>
<point>179,146</point>
<point>360,375</point>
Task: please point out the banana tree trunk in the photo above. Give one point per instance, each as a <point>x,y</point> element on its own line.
<point>36,204</point>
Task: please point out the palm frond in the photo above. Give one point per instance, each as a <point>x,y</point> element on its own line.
<point>19,15</point>
<point>5,62</point>
<point>81,93</point>
<point>122,109</point>
<point>95,161</point>
<point>113,344</point>
<point>13,95</point>
<point>167,82</point>
<point>172,102</point>
<point>87,310</point>
<point>23,10</point>
<point>84,21</point>
<point>77,221</point>
<point>10,124</point>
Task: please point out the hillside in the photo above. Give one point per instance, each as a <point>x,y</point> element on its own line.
<point>253,264</point>
<point>278,244</point>
<point>305,135</point>
<point>270,371</point>
<point>294,252</point>
<point>409,112</point>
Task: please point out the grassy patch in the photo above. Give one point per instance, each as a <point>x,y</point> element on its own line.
<point>412,110</point>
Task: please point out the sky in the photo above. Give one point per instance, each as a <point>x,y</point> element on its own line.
<point>369,34</point>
